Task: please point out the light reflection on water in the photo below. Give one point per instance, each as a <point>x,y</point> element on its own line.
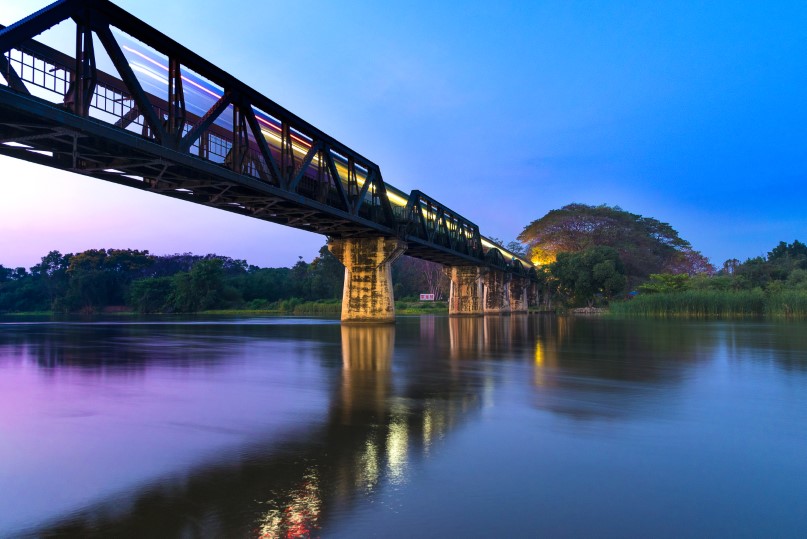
<point>472,427</point>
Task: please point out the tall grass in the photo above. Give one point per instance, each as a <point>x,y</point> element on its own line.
<point>295,306</point>
<point>319,307</point>
<point>787,304</point>
<point>421,307</point>
<point>695,304</point>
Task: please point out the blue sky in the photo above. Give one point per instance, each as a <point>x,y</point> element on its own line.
<point>690,112</point>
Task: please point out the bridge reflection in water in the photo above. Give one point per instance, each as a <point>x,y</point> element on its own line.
<point>395,395</point>
<point>377,427</point>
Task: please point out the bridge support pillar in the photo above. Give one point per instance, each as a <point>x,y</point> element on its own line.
<point>519,294</point>
<point>367,296</point>
<point>532,295</point>
<point>465,298</point>
<point>496,292</point>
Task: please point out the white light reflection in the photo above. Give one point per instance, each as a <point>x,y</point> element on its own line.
<point>398,445</point>
<point>369,471</point>
<point>427,431</point>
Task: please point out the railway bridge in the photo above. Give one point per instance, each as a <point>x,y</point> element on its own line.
<point>131,106</point>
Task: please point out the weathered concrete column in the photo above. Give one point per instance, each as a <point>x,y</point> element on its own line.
<point>519,294</point>
<point>532,295</point>
<point>367,296</point>
<point>496,292</point>
<point>465,298</point>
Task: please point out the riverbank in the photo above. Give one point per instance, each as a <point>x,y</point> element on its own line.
<point>295,307</point>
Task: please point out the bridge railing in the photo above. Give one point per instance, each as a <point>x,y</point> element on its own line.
<point>430,220</point>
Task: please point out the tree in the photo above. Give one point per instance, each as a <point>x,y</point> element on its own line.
<point>51,272</point>
<point>689,262</point>
<point>662,283</point>
<point>201,288</point>
<point>19,291</point>
<point>645,245</point>
<point>151,295</point>
<point>517,248</point>
<point>730,266</point>
<point>101,277</point>
<point>413,276</point>
<point>794,251</point>
<point>585,276</point>
<point>788,257</point>
<point>270,284</point>
<point>327,275</point>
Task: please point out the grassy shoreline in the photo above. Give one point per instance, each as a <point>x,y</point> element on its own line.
<point>280,308</point>
<point>691,304</point>
<point>705,304</point>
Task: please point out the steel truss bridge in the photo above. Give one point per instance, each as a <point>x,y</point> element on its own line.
<point>170,122</point>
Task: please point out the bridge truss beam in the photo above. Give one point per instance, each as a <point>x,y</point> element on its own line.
<point>243,153</point>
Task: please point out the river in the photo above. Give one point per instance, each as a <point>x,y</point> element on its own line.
<point>520,426</point>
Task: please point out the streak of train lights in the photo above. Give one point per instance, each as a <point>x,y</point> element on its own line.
<point>271,130</point>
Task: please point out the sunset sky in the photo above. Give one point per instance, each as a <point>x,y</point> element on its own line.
<point>694,113</point>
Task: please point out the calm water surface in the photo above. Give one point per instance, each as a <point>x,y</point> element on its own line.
<point>497,427</point>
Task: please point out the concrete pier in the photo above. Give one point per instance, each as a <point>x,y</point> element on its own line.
<point>519,294</point>
<point>465,298</point>
<point>496,286</point>
<point>532,295</point>
<point>367,296</point>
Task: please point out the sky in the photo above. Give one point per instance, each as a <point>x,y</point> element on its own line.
<point>693,113</point>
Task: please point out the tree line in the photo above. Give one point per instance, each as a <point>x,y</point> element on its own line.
<point>99,280</point>
<point>586,256</point>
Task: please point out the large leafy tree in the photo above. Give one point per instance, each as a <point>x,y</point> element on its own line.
<point>51,274</point>
<point>97,277</point>
<point>201,288</point>
<point>645,245</point>
<point>584,277</point>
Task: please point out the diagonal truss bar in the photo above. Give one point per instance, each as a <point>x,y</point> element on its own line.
<point>263,146</point>
<point>128,118</point>
<point>130,79</point>
<point>381,193</point>
<point>207,120</point>
<point>337,180</point>
<point>11,76</point>
<point>370,178</point>
<point>312,152</point>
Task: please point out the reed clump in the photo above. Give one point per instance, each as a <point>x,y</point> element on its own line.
<point>787,304</point>
<point>320,307</point>
<point>754,303</point>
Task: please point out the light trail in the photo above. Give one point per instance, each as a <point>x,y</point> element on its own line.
<point>299,146</point>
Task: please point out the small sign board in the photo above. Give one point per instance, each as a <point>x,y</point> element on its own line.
<point>427,297</point>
